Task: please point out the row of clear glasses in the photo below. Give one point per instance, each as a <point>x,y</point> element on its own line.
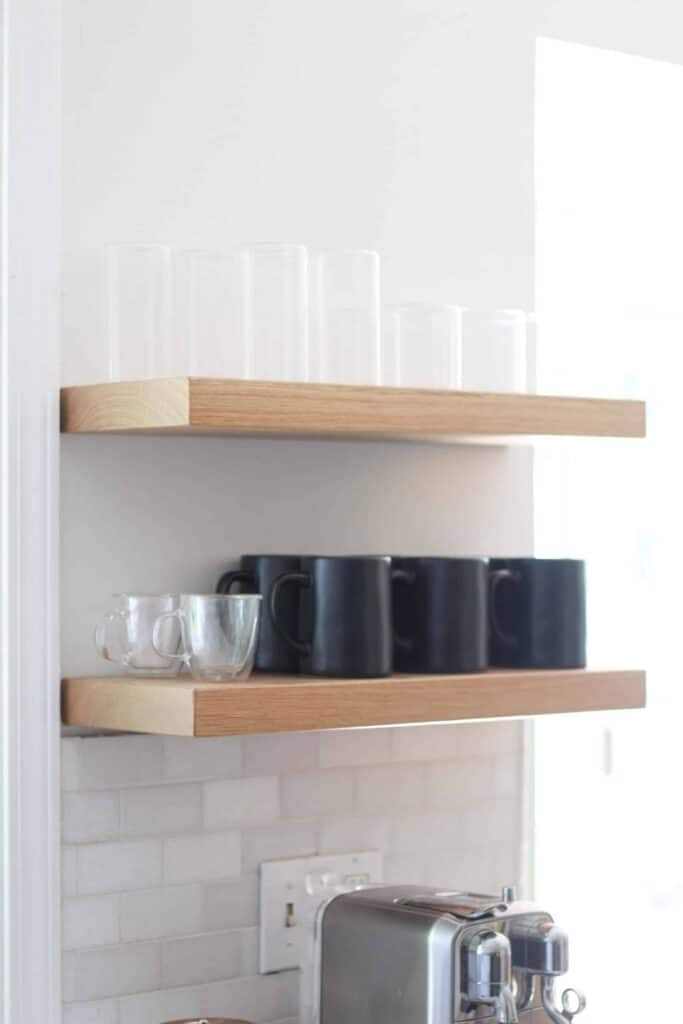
<point>284,312</point>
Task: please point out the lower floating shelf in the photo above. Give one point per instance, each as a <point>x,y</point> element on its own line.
<point>185,707</point>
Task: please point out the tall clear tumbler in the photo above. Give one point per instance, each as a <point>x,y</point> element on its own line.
<point>494,350</point>
<point>273,281</point>
<point>425,346</point>
<point>206,317</point>
<point>345,334</point>
<point>138,311</point>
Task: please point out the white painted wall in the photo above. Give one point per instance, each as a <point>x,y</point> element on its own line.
<point>405,127</point>
<point>171,514</point>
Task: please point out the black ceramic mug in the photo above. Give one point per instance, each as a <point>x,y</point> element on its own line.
<point>344,615</point>
<point>537,612</point>
<point>440,615</point>
<point>256,575</point>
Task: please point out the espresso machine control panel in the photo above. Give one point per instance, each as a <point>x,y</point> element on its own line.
<point>409,955</point>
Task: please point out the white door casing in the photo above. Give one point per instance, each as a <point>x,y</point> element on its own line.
<point>30,242</point>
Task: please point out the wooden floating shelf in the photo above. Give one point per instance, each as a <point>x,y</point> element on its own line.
<point>198,406</point>
<point>183,707</point>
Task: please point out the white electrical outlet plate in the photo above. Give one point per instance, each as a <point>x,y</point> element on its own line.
<point>284,901</point>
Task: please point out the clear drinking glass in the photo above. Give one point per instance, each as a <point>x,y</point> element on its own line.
<point>273,281</point>
<point>426,345</point>
<point>138,311</point>
<point>494,350</point>
<point>206,315</point>
<point>345,331</point>
<point>124,636</point>
<point>219,633</point>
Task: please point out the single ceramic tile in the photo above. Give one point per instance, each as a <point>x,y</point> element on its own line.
<point>103,1011</point>
<point>453,783</point>
<point>419,833</point>
<point>215,757</point>
<point>117,867</point>
<point>288,839</point>
<point>161,809</point>
<point>313,794</point>
<point>341,747</point>
<point>90,921</point>
<point>250,951</point>
<point>405,869</point>
<point>160,913</point>
<point>70,763</point>
<point>117,970</point>
<point>491,821</point>
<point>488,739</point>
<point>390,788</point>
<point>261,998</point>
<point>161,1005</point>
<point>231,904</point>
<point>69,870</point>
<point>348,835</point>
<point>90,817</point>
<point>111,762</point>
<point>252,801</point>
<point>197,959</point>
<point>426,742</point>
<point>276,753</point>
<point>201,858</point>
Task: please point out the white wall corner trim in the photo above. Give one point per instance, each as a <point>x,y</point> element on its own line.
<point>30,248</point>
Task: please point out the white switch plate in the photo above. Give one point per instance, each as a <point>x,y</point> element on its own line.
<point>283,882</point>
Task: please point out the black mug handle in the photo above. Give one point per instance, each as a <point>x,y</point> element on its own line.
<point>495,579</point>
<point>226,581</point>
<point>403,576</point>
<point>302,579</point>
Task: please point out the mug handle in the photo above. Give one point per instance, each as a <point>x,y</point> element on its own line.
<point>184,655</point>
<point>302,579</point>
<point>495,579</point>
<point>226,581</point>
<point>103,647</point>
<point>405,576</point>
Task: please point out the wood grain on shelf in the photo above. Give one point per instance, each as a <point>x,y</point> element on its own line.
<point>286,704</point>
<point>262,408</point>
<point>155,405</point>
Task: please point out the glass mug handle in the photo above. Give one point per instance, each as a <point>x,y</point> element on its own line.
<point>495,579</point>
<point>404,576</point>
<point>103,647</point>
<point>302,579</point>
<point>184,655</point>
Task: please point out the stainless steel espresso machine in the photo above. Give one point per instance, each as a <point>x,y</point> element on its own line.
<point>409,955</point>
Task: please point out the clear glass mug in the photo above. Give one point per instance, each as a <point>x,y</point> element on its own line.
<point>124,636</point>
<point>218,634</point>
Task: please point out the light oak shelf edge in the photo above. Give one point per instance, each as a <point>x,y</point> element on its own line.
<point>263,704</point>
<point>197,406</point>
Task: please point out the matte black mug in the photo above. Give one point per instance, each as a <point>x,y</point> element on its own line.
<point>256,575</point>
<point>344,615</point>
<point>537,612</point>
<point>440,615</point>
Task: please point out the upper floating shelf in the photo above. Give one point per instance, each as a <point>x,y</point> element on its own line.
<point>191,405</point>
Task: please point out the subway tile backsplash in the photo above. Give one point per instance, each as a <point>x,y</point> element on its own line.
<point>162,838</point>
